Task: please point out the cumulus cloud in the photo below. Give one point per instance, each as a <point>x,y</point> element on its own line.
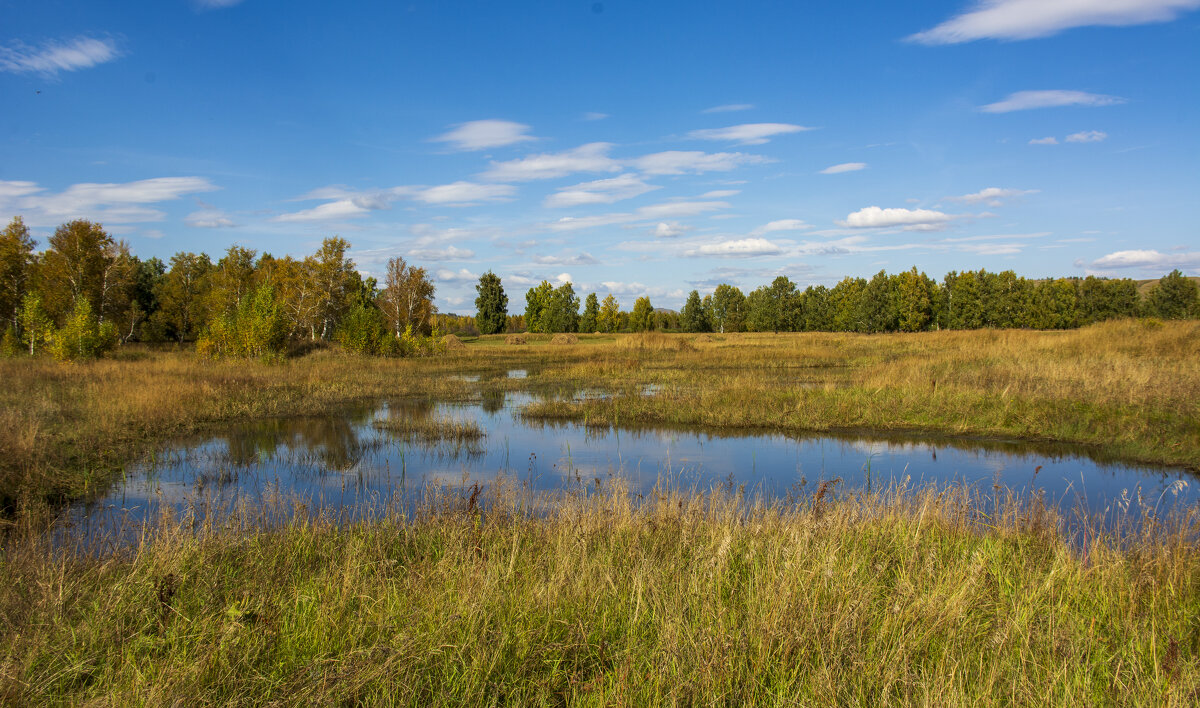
<point>462,275</point>
<point>1149,260</point>
<point>844,167</point>
<point>105,202</point>
<point>484,134</point>
<point>1051,140</point>
<point>781,225</point>
<point>670,229</point>
<point>678,162</point>
<point>208,219</point>
<point>52,57</point>
<point>592,157</point>
<point>729,108</point>
<point>747,133</point>
<point>1028,100</point>
<point>994,196</point>
<point>913,219</point>
<point>1028,19</point>
<point>1087,136</point>
<point>601,191</point>
<point>743,248</point>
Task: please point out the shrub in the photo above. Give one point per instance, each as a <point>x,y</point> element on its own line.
<point>363,331</point>
<point>256,330</point>
<point>82,336</point>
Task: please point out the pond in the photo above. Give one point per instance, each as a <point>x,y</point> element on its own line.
<point>355,463</point>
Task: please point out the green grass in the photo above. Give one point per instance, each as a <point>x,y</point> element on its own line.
<point>591,599</point>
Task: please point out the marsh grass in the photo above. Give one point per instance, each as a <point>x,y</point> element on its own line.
<point>1128,390</point>
<point>480,597</point>
<point>432,430</point>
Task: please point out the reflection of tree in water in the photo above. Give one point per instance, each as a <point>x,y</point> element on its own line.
<point>492,400</point>
<point>331,441</point>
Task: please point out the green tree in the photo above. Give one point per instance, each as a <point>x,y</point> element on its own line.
<point>783,294</point>
<point>693,318</point>
<point>16,264</point>
<point>363,330</point>
<point>1054,304</point>
<point>914,301</point>
<point>962,306</point>
<point>82,261</point>
<point>563,311</point>
<point>335,282</point>
<point>537,307</point>
<point>35,323</point>
<point>231,281</point>
<point>407,298</point>
<point>728,308</point>
<point>642,317</point>
<point>1104,299</point>
<point>845,304</point>
<point>815,309</point>
<point>82,336</point>
<point>491,305</point>
<point>257,329</point>
<point>1174,297</point>
<point>878,309</point>
<point>590,321</point>
<point>609,319</point>
<point>182,296</point>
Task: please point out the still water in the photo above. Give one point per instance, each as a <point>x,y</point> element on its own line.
<point>350,464</point>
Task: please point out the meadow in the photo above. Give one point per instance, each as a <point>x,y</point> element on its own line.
<point>596,596</point>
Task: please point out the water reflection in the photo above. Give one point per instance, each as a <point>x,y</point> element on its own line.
<point>358,461</point>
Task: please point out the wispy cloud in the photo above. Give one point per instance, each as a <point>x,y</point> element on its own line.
<point>601,191</point>
<point>1028,100</point>
<point>484,134</point>
<point>461,275</point>
<point>349,204</point>
<point>994,196</point>
<point>743,248</point>
<point>911,219</point>
<point>1050,140</point>
<point>844,167</point>
<point>678,162</point>
<point>592,157</point>
<point>670,229</point>
<point>729,108</point>
<point>108,202</point>
<point>654,212</point>
<point>208,219</point>
<point>1027,19</point>
<point>464,193</point>
<point>566,260</point>
<point>445,253</point>
<point>781,225</point>
<point>593,115</point>
<point>1087,136</point>
<point>53,57</point>
<point>747,133</point>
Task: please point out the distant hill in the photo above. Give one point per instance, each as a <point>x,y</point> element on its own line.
<point>1145,286</point>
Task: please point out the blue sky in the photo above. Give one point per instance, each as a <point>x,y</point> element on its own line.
<point>630,147</point>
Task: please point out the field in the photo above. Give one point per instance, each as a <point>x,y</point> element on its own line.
<point>593,596</point>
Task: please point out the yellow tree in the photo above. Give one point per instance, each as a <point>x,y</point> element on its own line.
<point>16,263</point>
<point>407,297</point>
<point>610,314</point>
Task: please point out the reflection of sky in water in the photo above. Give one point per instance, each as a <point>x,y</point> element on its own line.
<point>345,462</point>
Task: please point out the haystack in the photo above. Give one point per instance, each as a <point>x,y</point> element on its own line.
<point>452,342</point>
<point>703,339</point>
<point>514,339</point>
<point>565,339</point>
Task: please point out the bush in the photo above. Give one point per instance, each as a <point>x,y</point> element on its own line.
<point>256,330</point>
<point>363,331</point>
<point>83,336</point>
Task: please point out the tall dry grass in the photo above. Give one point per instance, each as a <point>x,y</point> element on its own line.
<point>897,597</point>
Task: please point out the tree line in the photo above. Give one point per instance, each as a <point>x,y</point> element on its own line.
<point>909,301</point>
<point>86,293</point>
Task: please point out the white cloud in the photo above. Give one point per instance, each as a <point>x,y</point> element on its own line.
<point>463,193</point>
<point>208,219</point>
<point>668,210</point>
<point>53,57</point>
<point>748,133</point>
<point>670,229</point>
<point>745,248</point>
<point>1051,140</point>
<point>994,196</point>
<point>781,225</point>
<point>720,193</point>
<point>460,276</point>
<point>844,167</point>
<point>592,157</point>
<point>1027,100</point>
<point>601,191</point>
<point>914,219</point>
<point>678,162</point>
<point>107,203</point>
<point>483,134</point>
<point>1148,260</point>
<point>1027,19</point>
<point>729,108</point>
<point>446,253</point>
<point>562,279</point>
<point>593,115</point>
<point>581,259</point>
<point>1087,136</point>
<point>330,211</point>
